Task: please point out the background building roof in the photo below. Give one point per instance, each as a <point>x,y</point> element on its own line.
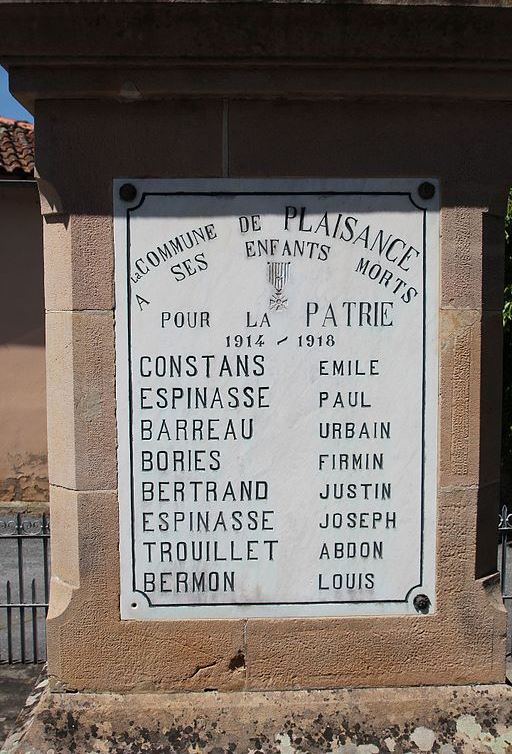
<point>16,148</point>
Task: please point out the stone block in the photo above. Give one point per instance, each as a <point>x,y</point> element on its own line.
<point>79,262</point>
<point>343,138</point>
<point>447,719</point>
<point>472,242</point>
<point>123,655</point>
<point>468,628</point>
<point>78,205</point>
<point>461,257</point>
<point>119,139</point>
<point>459,398</point>
<point>58,271</point>
<point>81,400</point>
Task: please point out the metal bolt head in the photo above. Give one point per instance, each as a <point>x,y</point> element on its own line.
<point>426,190</point>
<point>421,602</point>
<point>127,192</point>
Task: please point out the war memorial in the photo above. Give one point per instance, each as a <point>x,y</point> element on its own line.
<point>273,279</point>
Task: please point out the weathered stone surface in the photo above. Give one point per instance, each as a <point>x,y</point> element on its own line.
<point>467,172</point>
<point>123,655</point>
<point>468,629</point>
<point>461,240</point>
<point>459,396</point>
<point>26,479</point>
<point>366,721</point>
<point>135,138</point>
<point>81,400</point>
<point>456,31</point>
<point>78,262</point>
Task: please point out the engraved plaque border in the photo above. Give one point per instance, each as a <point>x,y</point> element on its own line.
<point>276,187</point>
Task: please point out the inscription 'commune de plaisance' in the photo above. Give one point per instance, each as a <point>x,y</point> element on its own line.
<point>276,346</point>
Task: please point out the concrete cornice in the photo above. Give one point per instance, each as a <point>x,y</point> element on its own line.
<point>153,50</point>
<point>77,33</point>
<point>293,81</point>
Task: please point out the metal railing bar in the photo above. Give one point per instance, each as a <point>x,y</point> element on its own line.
<point>503,569</point>
<point>24,536</point>
<point>45,561</point>
<point>21,591</point>
<point>34,622</point>
<point>504,528</point>
<point>9,624</point>
<point>17,605</point>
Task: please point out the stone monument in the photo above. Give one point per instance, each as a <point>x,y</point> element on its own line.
<point>273,254</point>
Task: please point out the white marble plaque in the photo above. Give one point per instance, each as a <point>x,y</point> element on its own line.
<point>277,359</point>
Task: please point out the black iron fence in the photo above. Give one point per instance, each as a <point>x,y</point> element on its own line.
<point>505,566</point>
<point>25,561</point>
<point>505,534</point>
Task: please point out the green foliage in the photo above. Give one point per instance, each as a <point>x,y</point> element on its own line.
<point>507,357</point>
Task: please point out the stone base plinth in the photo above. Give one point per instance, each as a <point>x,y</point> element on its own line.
<point>447,719</point>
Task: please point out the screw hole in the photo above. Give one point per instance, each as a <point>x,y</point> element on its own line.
<point>426,190</point>
<point>134,604</point>
<point>422,603</point>
<point>128,192</point>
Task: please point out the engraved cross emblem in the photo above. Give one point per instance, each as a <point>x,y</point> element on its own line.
<point>278,275</point>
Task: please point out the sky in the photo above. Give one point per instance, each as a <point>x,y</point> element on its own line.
<point>9,107</point>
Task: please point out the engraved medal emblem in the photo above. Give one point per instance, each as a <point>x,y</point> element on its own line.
<point>278,276</point>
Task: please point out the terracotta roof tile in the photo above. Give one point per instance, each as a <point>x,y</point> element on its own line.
<point>16,148</point>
